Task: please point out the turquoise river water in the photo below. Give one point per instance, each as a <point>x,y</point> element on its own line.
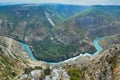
<point>95,42</point>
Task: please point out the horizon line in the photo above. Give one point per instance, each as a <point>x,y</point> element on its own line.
<point>17,3</point>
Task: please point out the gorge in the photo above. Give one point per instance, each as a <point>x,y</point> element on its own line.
<point>59,42</point>
<point>95,42</point>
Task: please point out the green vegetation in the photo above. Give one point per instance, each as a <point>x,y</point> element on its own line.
<point>29,24</point>
<point>7,68</point>
<point>38,68</point>
<point>51,50</point>
<point>27,70</point>
<point>76,74</point>
<point>45,72</point>
<point>112,60</point>
<point>33,26</point>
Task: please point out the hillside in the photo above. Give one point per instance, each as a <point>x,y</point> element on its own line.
<point>94,21</point>
<point>29,18</point>
<point>110,41</point>
<point>15,64</point>
<point>83,28</point>
<point>63,30</point>
<point>106,66</point>
<point>57,32</point>
<point>33,23</point>
<point>14,61</point>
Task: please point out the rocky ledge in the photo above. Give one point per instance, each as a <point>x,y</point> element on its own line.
<point>15,64</point>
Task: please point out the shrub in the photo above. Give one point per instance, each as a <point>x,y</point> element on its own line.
<point>76,74</point>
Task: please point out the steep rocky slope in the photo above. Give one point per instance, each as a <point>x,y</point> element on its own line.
<point>33,21</point>
<point>92,22</point>
<point>14,60</point>
<point>111,40</point>
<point>33,24</point>
<point>15,64</point>
<point>44,31</point>
<point>103,66</point>
<point>49,28</point>
<point>95,21</point>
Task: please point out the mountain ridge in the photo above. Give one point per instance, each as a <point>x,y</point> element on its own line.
<point>54,29</point>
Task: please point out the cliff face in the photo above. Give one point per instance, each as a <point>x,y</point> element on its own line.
<point>15,64</point>
<point>14,60</point>
<point>110,41</point>
<point>51,29</point>
<point>43,28</point>
<point>33,24</point>
<point>104,66</point>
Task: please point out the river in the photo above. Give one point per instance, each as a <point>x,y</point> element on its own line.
<point>95,42</point>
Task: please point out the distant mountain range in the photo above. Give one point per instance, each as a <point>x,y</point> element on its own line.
<point>62,30</point>
<point>56,32</point>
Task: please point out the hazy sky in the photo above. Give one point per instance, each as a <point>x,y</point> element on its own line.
<point>81,2</point>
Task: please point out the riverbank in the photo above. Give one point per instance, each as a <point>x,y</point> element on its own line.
<point>95,42</point>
